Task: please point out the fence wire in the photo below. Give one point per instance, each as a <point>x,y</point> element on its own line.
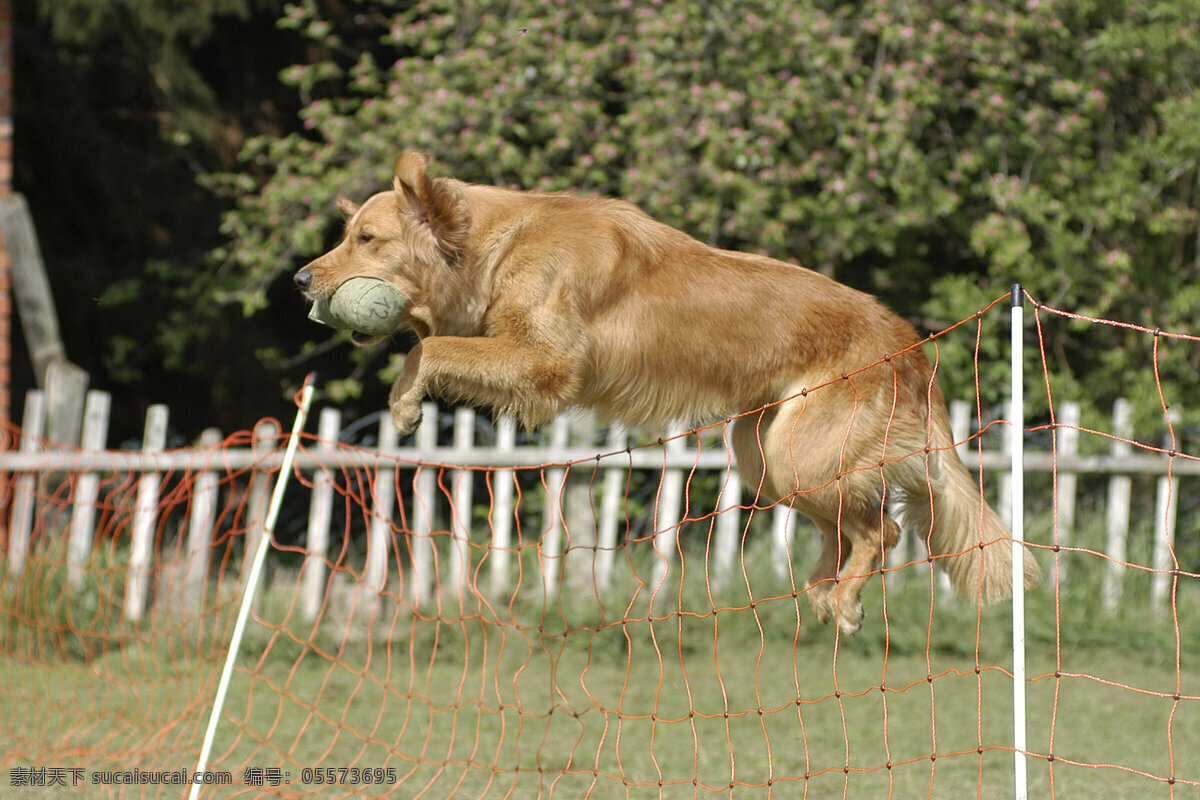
<point>434,629</point>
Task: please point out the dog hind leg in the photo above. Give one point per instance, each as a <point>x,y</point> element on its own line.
<point>817,452</point>
<point>822,581</point>
<point>863,536</point>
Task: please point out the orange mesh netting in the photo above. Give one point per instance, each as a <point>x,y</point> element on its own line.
<point>472,616</point>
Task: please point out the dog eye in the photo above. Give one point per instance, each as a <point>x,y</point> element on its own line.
<point>365,238</point>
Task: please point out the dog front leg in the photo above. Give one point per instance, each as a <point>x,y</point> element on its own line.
<point>533,383</point>
<point>407,393</point>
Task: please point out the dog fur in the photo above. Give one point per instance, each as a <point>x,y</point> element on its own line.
<point>531,303</point>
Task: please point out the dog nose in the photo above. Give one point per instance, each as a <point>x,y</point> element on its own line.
<point>304,278</point>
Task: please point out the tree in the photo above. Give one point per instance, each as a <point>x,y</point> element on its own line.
<point>119,107</point>
<point>933,153</point>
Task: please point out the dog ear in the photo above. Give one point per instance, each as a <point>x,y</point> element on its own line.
<point>347,207</point>
<point>413,183</point>
<point>433,203</point>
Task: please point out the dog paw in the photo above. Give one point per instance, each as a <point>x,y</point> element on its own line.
<point>406,417</point>
<point>850,618</point>
<point>823,597</point>
<point>823,600</point>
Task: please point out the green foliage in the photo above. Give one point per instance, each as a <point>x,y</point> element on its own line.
<point>934,153</point>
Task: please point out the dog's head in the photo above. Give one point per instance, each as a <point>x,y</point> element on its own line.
<point>411,237</point>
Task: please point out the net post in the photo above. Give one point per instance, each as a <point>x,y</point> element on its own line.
<point>260,555</point>
<point>1017,451</point>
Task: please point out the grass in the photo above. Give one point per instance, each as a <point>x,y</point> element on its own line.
<point>579,698</point>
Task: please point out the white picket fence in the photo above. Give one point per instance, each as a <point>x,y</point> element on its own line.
<point>585,483</point>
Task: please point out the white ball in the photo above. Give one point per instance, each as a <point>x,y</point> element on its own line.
<point>367,305</point>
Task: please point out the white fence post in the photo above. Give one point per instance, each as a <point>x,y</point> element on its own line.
<point>383,498</point>
<point>320,510</point>
<point>579,556</point>
<point>424,504</point>
<point>502,511</point>
<point>66,386</point>
<point>552,528</point>
<point>25,491</point>
<point>258,495</point>
<point>611,494</point>
<point>462,481</point>
<point>201,522</point>
<point>783,539</point>
<point>1066,446</point>
<point>1116,516</point>
<point>87,487</point>
<point>960,429</point>
<point>728,524</point>
<point>904,550</point>
<point>1166,510</point>
<point>145,518</point>
<point>667,513</point>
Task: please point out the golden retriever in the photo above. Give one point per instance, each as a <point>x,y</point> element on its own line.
<point>531,303</point>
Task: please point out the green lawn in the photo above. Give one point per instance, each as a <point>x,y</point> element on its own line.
<point>574,700</point>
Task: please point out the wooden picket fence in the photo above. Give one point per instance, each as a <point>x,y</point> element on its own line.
<point>584,479</point>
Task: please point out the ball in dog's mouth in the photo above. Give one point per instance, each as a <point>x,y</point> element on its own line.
<point>370,307</point>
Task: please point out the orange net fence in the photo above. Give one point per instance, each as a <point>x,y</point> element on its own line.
<point>585,612</point>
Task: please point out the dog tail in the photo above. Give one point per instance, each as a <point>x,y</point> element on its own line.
<point>964,534</point>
